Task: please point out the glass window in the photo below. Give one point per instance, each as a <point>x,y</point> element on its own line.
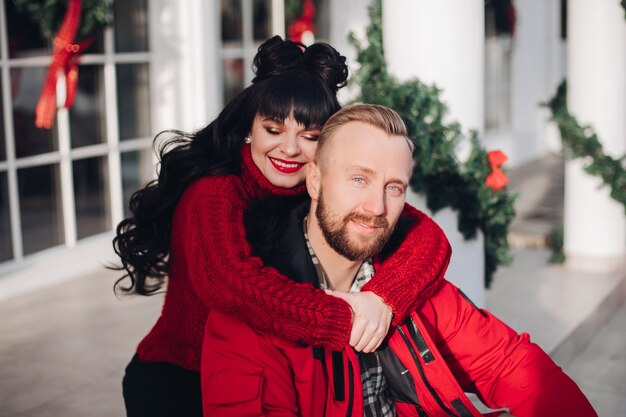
<point>91,196</point>
<point>498,62</point>
<point>131,25</point>
<point>232,24</point>
<point>233,78</point>
<point>137,170</point>
<point>40,207</point>
<point>25,38</point>
<point>3,152</point>
<point>6,249</point>
<point>87,115</point>
<point>97,46</point>
<point>29,140</point>
<point>262,15</point>
<point>133,100</point>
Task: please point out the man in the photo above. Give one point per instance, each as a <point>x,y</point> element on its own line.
<point>446,348</point>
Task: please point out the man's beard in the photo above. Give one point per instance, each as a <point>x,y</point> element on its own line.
<point>335,231</point>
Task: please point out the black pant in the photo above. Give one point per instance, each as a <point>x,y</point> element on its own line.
<point>158,389</point>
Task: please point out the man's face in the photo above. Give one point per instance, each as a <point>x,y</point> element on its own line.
<point>360,189</point>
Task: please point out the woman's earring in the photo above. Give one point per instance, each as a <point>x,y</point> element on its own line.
<point>248,139</point>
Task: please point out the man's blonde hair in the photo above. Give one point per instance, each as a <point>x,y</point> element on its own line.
<point>373,114</point>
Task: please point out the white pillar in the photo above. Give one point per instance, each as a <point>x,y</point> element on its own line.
<point>442,42</point>
<point>186,67</point>
<point>595,225</point>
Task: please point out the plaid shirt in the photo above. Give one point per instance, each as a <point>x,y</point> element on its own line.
<point>376,399</point>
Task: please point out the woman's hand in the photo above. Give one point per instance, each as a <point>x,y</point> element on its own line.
<point>371,320</point>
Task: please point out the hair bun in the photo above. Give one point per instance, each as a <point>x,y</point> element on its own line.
<point>324,60</point>
<point>276,56</point>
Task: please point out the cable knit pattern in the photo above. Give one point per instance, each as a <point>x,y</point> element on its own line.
<point>415,271</point>
<point>211,267</point>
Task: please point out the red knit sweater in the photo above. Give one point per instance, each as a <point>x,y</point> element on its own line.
<point>211,267</point>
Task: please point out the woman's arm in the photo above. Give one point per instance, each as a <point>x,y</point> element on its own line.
<point>414,271</point>
<point>208,234</point>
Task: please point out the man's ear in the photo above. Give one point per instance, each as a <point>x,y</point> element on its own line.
<point>313,179</point>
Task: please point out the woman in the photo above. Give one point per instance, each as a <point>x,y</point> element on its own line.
<point>188,225</point>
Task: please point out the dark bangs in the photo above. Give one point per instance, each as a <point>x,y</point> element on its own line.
<point>298,92</point>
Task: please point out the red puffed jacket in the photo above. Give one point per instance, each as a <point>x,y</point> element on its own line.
<point>446,348</point>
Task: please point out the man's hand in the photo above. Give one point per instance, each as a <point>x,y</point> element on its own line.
<point>371,321</point>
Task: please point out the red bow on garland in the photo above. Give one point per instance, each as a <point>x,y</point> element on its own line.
<point>304,23</point>
<point>64,57</point>
<point>497,180</point>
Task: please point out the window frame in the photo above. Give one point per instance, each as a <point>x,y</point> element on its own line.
<point>111,149</point>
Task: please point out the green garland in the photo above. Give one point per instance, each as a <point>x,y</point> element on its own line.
<point>582,142</point>
<point>444,180</point>
<point>48,14</point>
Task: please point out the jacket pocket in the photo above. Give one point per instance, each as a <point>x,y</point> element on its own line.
<point>233,392</point>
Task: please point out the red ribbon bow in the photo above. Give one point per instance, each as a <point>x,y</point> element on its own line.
<point>64,56</point>
<point>304,23</point>
<point>497,180</point>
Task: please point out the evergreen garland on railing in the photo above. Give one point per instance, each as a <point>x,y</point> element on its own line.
<point>582,142</point>
<point>48,14</point>
<point>438,174</point>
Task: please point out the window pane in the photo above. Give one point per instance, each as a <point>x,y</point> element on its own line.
<point>29,140</point>
<point>25,38</point>
<point>131,25</point>
<point>137,171</point>
<point>6,248</point>
<point>3,153</point>
<point>233,78</point>
<point>232,23</point>
<point>40,207</point>
<point>87,115</point>
<point>262,19</point>
<point>97,47</point>
<point>91,196</point>
<point>322,21</point>
<point>133,100</point>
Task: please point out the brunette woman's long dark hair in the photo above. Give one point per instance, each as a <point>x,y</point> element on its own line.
<point>290,80</point>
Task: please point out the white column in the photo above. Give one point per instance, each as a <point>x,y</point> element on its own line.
<point>595,225</point>
<point>186,66</point>
<point>442,42</point>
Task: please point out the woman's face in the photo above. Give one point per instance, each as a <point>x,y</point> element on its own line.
<point>281,150</point>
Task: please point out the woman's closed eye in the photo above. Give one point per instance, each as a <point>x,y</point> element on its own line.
<point>273,131</point>
<point>312,138</point>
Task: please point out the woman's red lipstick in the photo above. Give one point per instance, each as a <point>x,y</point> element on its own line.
<point>286,167</point>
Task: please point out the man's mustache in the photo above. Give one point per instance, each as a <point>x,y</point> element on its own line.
<point>373,221</point>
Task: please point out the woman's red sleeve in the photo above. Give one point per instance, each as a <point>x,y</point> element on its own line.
<point>414,271</point>
<point>208,233</point>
